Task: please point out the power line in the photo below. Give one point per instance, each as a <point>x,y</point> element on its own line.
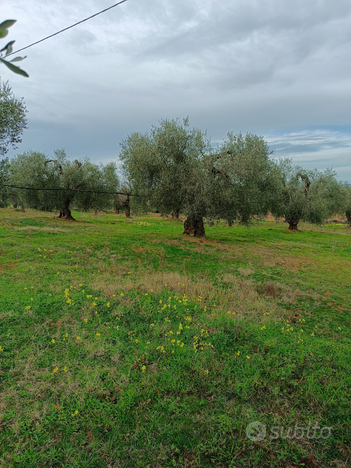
<point>70,190</point>
<point>69,27</point>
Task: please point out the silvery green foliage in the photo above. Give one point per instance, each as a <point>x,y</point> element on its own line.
<point>8,49</point>
<point>243,182</point>
<point>12,119</point>
<point>99,178</point>
<point>29,169</point>
<point>4,177</point>
<point>174,168</point>
<point>165,167</point>
<point>307,195</point>
<point>36,170</point>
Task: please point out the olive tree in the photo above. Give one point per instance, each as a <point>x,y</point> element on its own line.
<point>111,182</point>
<point>70,177</point>
<point>30,170</point>
<point>164,168</point>
<point>244,179</point>
<point>12,119</point>
<point>4,178</point>
<point>99,180</point>
<point>306,195</point>
<point>122,200</point>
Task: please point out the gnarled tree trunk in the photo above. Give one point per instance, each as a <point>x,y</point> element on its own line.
<point>194,226</point>
<point>124,204</point>
<point>293,225</point>
<point>175,215</point>
<point>115,206</point>
<point>348,217</point>
<point>65,212</point>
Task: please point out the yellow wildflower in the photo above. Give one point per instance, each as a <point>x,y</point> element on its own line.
<point>55,370</point>
<point>53,341</point>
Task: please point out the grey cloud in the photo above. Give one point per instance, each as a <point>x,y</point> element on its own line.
<point>270,67</point>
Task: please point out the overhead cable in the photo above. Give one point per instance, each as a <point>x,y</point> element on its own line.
<point>70,190</point>
<point>69,27</point>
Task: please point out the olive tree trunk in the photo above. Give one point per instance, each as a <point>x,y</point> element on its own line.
<point>65,212</point>
<point>194,226</point>
<point>127,210</point>
<point>293,225</point>
<point>175,215</point>
<point>115,206</point>
<point>348,217</point>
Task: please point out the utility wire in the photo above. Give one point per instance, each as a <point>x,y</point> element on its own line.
<point>69,27</point>
<point>70,190</point>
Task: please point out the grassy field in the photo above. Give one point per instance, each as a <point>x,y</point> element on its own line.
<point>125,344</point>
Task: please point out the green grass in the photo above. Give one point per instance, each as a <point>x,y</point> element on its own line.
<point>125,344</point>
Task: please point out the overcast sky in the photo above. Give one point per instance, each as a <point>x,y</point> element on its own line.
<point>275,68</point>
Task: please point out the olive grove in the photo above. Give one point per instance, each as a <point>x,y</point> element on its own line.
<point>70,182</point>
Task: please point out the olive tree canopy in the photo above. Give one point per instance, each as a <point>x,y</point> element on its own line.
<point>12,119</point>
<point>66,177</point>
<point>174,168</point>
<point>164,168</point>
<point>244,179</point>
<point>30,170</point>
<point>307,195</point>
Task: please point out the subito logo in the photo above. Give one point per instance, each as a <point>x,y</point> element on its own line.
<point>256,431</point>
